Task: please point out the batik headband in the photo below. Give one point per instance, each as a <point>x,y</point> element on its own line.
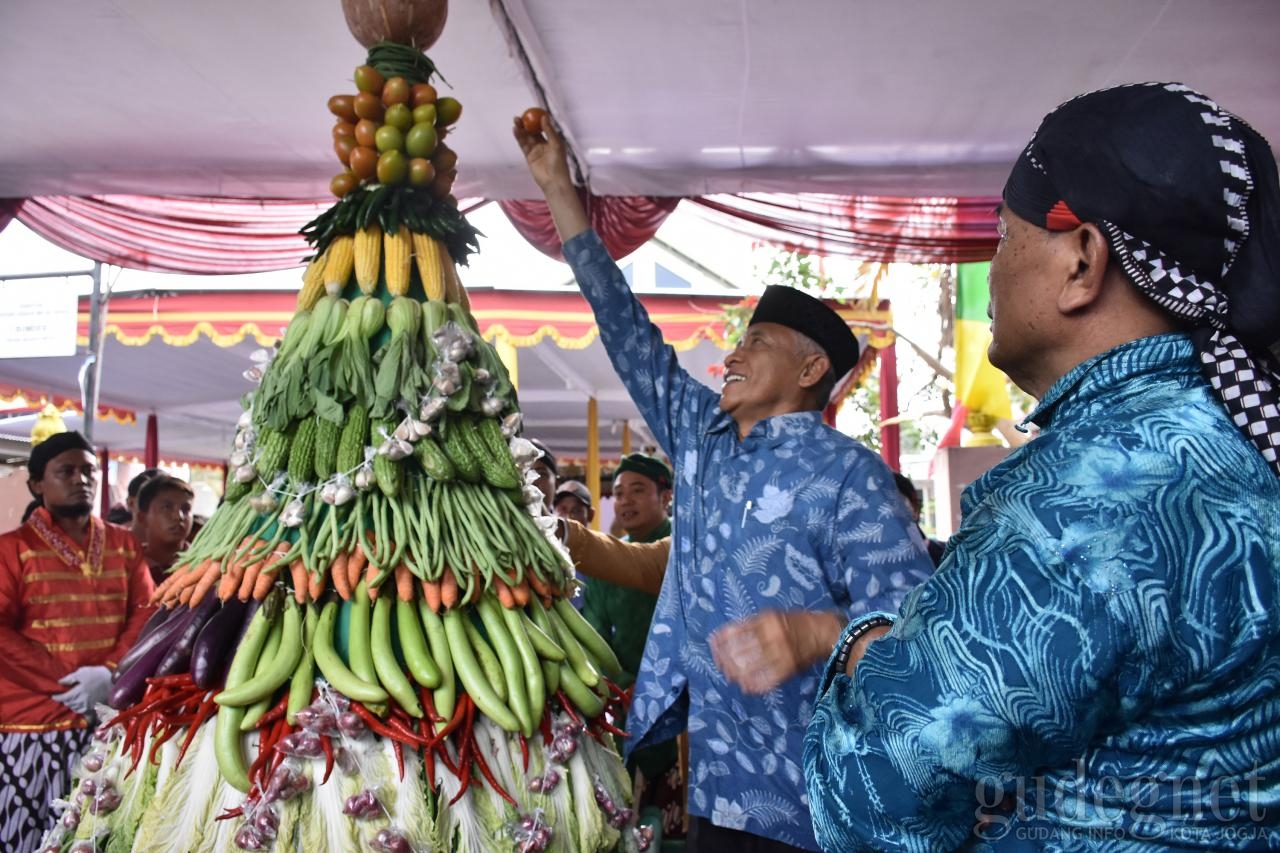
<point>1161,169</point>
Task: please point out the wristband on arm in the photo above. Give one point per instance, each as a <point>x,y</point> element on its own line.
<point>853,633</point>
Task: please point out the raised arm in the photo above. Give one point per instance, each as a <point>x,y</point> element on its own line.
<point>670,400</point>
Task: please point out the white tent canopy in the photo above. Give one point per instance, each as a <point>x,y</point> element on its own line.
<point>907,98</point>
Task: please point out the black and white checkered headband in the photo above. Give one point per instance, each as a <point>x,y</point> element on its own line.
<point>1247,383</point>
<point>1167,162</point>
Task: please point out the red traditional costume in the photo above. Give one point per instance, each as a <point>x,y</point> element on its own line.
<point>62,606</point>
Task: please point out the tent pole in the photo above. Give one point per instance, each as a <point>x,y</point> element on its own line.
<point>92,369</point>
<point>626,438</point>
<point>151,447</point>
<point>593,456</point>
<point>890,432</point>
<point>104,465</point>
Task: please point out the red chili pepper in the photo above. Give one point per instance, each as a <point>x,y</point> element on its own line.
<point>429,766</point>
<point>459,713</point>
<point>547,737</point>
<point>615,689</point>
<point>429,705</point>
<point>202,716</point>
<point>568,707</point>
<point>402,732</point>
<point>181,679</point>
<point>327,745</point>
<point>228,814</point>
<point>488,776</point>
<point>371,720</point>
<point>524,751</point>
<point>610,728</point>
<point>276,712</point>
<point>464,757</point>
<point>398,749</point>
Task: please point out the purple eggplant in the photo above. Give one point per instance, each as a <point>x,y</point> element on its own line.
<point>161,635</point>
<point>157,619</point>
<point>180,652</point>
<point>212,649</point>
<point>131,684</point>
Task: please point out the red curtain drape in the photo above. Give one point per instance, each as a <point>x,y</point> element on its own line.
<point>872,228</point>
<point>8,210</point>
<point>624,223</point>
<point>180,234</point>
<point>222,235</point>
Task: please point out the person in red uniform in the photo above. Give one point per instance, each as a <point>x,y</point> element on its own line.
<point>74,594</point>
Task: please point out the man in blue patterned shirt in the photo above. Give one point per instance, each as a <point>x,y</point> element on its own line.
<point>784,529</point>
<point>1096,663</point>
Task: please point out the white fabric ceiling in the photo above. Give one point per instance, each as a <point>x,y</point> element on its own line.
<point>911,97</point>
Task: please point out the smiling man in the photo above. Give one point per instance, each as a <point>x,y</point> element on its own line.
<point>783,529</point>
<point>73,596</point>
<point>1096,663</point>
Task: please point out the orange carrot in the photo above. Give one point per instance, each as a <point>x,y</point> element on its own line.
<point>355,567</point>
<point>209,576</point>
<point>315,582</point>
<point>404,582</point>
<point>249,579</point>
<point>431,595</point>
<point>341,580</point>
<point>266,579</point>
<point>540,586</point>
<point>184,597</point>
<point>298,572</point>
<point>448,589</point>
<point>371,574</point>
<point>504,592</point>
<point>521,592</point>
<point>230,582</point>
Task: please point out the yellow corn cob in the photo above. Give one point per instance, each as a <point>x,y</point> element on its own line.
<point>396,250</point>
<point>429,256</point>
<point>339,258</point>
<point>312,284</point>
<point>453,289</point>
<point>368,258</point>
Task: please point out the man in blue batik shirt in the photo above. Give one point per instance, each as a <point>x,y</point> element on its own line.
<point>1096,663</point>
<point>784,529</point>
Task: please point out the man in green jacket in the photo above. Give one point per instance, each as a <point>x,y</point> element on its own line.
<point>642,488</point>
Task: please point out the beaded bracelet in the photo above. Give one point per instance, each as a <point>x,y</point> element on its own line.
<point>841,660</point>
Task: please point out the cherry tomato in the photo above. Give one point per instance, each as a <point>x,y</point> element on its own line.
<point>422,93</point>
<point>424,114</point>
<point>448,110</point>
<point>389,138</point>
<point>342,184</point>
<point>343,106</point>
<point>444,159</point>
<point>421,140</point>
<point>532,119</point>
<point>399,116</point>
<point>369,106</point>
<point>443,183</point>
<point>364,162</point>
<point>392,167</point>
<point>366,133</point>
<point>368,79</point>
<point>421,172</point>
<point>344,129</point>
<point>395,91</point>
<point>343,146</point>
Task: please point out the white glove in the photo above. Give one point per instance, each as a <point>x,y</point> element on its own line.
<point>89,687</point>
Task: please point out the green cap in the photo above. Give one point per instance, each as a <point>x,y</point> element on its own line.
<point>648,466</point>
